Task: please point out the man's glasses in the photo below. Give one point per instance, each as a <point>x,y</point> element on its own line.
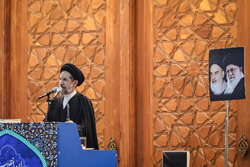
<point>232,70</point>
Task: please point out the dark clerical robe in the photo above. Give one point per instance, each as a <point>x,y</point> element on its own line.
<point>80,111</point>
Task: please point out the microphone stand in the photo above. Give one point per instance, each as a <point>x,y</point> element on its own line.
<point>48,99</point>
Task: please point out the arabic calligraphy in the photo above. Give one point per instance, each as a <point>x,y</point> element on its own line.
<point>10,158</point>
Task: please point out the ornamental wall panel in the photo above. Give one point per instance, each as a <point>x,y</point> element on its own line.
<point>62,31</point>
<point>184,118</point>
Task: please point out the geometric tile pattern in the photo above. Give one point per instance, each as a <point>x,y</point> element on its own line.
<point>62,31</point>
<point>184,117</point>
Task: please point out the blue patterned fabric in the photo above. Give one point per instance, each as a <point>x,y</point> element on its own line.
<point>39,138</point>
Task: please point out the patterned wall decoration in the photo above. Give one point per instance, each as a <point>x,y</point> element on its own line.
<point>63,31</point>
<point>184,118</point>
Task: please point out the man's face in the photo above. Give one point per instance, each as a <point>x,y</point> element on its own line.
<point>216,74</point>
<point>67,83</point>
<point>233,72</point>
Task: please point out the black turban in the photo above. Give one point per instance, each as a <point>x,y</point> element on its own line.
<point>235,57</point>
<point>74,71</point>
<point>226,56</point>
<point>215,58</point>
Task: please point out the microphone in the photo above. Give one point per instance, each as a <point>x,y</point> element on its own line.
<point>59,89</point>
<point>49,92</point>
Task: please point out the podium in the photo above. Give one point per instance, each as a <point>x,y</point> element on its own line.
<point>48,145</point>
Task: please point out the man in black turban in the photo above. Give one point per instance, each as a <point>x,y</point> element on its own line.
<point>72,106</point>
<point>234,65</point>
<point>216,76</point>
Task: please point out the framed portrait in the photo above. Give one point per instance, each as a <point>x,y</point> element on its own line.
<point>226,74</point>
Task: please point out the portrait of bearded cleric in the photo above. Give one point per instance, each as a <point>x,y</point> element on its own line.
<point>226,74</point>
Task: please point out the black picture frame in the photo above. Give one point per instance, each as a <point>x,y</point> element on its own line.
<point>226,74</point>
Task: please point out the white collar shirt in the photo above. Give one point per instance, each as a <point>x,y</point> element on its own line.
<point>67,97</point>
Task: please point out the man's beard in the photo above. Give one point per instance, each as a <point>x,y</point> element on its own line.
<point>233,83</point>
<point>218,88</point>
<point>66,91</point>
